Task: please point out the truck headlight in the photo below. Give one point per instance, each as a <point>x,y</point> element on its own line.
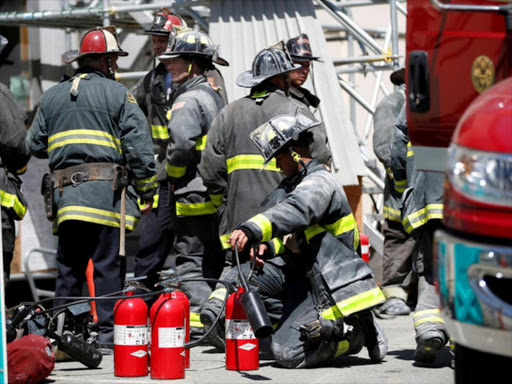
<point>482,176</point>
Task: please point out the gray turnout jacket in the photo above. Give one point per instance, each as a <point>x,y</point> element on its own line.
<point>231,165</point>
<point>14,155</point>
<point>316,210</point>
<point>194,105</point>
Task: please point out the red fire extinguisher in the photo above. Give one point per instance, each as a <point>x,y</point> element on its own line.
<point>130,337</point>
<point>242,346</point>
<point>168,340</point>
<point>185,303</point>
<point>170,284</point>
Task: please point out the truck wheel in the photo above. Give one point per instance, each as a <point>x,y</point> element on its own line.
<point>472,366</point>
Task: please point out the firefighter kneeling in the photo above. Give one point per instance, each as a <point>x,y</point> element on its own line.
<point>326,290</point>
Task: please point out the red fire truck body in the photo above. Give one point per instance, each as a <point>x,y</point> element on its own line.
<point>459,119</point>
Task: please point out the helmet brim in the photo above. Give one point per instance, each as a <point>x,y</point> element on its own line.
<point>247,80</point>
<point>221,61</point>
<point>157,33</point>
<point>171,55</point>
<point>69,56</point>
<point>303,59</point>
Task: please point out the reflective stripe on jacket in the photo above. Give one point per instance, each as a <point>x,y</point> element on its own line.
<point>231,165</point>
<point>318,211</point>
<point>14,154</point>
<point>194,106</point>
<point>103,123</point>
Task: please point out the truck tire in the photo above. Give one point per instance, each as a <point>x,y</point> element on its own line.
<point>472,366</point>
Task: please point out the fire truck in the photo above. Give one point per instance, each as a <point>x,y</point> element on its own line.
<point>459,117</point>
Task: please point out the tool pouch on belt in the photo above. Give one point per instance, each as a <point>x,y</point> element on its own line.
<point>47,192</point>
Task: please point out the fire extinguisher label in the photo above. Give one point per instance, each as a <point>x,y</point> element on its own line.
<point>130,334</point>
<point>171,337</point>
<point>239,330</point>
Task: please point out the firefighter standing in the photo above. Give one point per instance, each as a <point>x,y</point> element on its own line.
<point>14,157</point>
<point>325,283</point>
<point>231,164</point>
<point>300,52</point>
<point>398,279</point>
<point>422,213</point>
<point>153,94</point>
<point>91,128</point>
<point>195,103</point>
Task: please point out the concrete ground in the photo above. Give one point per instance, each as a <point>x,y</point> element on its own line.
<point>207,366</point>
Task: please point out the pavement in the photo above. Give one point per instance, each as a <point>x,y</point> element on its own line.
<point>208,366</point>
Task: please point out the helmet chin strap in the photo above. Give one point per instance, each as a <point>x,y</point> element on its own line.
<point>297,158</point>
<point>287,86</point>
<point>111,72</point>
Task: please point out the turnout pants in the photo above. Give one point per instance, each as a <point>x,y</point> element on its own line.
<point>198,255</point>
<point>78,242</point>
<point>156,239</point>
<point>398,277</point>
<point>427,317</point>
<point>287,295</point>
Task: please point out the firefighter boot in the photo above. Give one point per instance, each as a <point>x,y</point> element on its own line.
<point>427,345</point>
<point>374,338</point>
<point>392,307</point>
<point>217,335</point>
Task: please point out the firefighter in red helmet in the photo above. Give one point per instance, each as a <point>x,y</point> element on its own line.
<point>100,155</point>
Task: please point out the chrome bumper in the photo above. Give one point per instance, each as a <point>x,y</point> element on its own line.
<point>468,274</point>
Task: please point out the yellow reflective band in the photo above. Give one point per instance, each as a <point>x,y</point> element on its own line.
<point>389,172</point>
<point>432,319</point>
<point>174,171</point>
<point>356,238</point>
<point>159,132</point>
<point>224,241</point>
<point>420,217</point>
<point>217,199</point>
<point>11,201</point>
<point>93,215</point>
<point>249,162</point>
<point>83,136</point>
<point>21,171</point>
<point>355,304</point>
<point>400,185</point>
<point>392,214</point>
<point>279,247</point>
<point>147,183</point>
<point>155,202</point>
<point>434,311</point>
<point>342,348</point>
<point>195,320</point>
<point>201,143</point>
<point>195,209</point>
<point>343,225</point>
<point>219,294</point>
<point>264,225</point>
<point>259,94</point>
<point>168,115</point>
<point>313,231</point>
<point>410,152</point>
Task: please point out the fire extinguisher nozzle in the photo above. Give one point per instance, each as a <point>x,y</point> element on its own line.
<point>256,314</point>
